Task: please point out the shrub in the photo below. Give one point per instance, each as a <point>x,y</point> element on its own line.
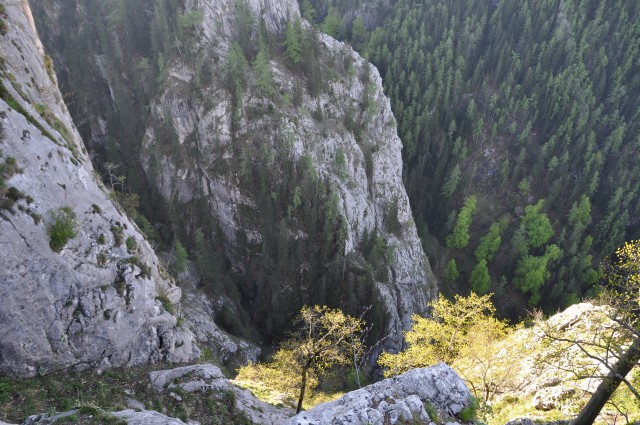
<point>62,228</point>
<point>469,413</point>
<point>146,270</point>
<point>166,303</point>
<point>118,235</point>
<point>131,244</point>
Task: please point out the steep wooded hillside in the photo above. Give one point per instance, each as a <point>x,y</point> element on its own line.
<point>527,113</point>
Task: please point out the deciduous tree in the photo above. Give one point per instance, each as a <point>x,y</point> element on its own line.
<point>444,336</point>
<point>322,338</point>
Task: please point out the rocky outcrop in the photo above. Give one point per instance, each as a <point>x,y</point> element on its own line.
<point>130,417</point>
<point>88,296</point>
<point>400,399</point>
<point>199,314</point>
<point>204,378</point>
<point>345,130</point>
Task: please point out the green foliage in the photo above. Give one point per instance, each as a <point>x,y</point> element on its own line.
<point>532,272</point>
<point>480,279</point>
<point>469,413</point>
<point>244,23</point>
<point>262,70</point>
<point>132,244</point>
<point>524,187</point>
<point>14,104</point>
<point>536,225</point>
<point>459,238</point>
<point>235,68</point>
<point>191,19</point>
<point>332,24</point>
<point>101,258</point>
<point>180,257</point>
<point>341,164</point>
<point>451,183</point>
<point>48,64</point>
<point>118,234</point>
<point>166,303</point>
<point>293,43</point>
<point>451,272</point>
<point>392,221</point>
<point>322,338</point>
<point>432,412</point>
<point>146,227</point>
<point>96,395</point>
<point>493,89</point>
<point>308,11</point>
<point>454,330</point>
<point>490,243</point>
<point>359,36</point>
<point>62,227</point>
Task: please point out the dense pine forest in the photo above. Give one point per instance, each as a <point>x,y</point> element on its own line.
<point>520,129</point>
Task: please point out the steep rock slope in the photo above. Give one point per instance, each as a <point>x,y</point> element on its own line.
<point>276,141</point>
<point>94,303</point>
<point>345,131</point>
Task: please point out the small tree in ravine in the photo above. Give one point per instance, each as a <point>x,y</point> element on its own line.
<point>180,257</point>
<point>480,279</point>
<point>322,338</point>
<point>451,272</point>
<point>459,238</point>
<point>293,43</point>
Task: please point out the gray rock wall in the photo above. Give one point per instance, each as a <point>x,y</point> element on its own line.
<point>369,185</point>
<point>92,304</point>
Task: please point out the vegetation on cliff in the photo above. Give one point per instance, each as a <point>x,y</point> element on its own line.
<point>521,105</point>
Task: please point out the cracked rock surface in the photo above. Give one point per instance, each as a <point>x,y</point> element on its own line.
<point>206,377</point>
<point>394,400</point>
<point>93,304</point>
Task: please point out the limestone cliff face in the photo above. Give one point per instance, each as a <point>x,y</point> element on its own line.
<point>346,129</point>
<point>256,154</point>
<point>93,304</point>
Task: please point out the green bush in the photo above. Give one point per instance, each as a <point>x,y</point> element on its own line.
<point>469,413</point>
<point>62,228</point>
<point>118,235</point>
<point>131,244</point>
<point>166,303</point>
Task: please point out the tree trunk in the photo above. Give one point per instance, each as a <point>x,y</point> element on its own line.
<point>591,410</point>
<point>302,390</point>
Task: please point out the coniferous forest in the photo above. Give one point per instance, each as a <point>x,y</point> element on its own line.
<point>243,200</point>
<point>520,129</point>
